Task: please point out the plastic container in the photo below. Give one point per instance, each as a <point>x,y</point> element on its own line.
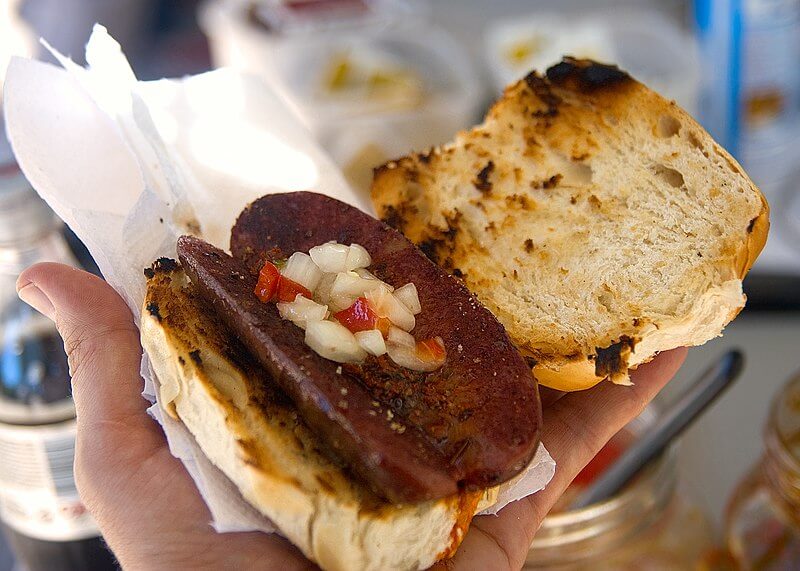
<point>433,89</point>
<point>647,44</point>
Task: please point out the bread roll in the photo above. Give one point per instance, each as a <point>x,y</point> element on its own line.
<point>598,221</point>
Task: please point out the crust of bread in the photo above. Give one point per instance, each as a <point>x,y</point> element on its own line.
<point>585,156</point>
<point>252,434</point>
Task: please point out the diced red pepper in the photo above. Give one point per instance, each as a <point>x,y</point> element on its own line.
<point>431,350</point>
<point>359,316</point>
<point>272,286</point>
<point>269,279</point>
<point>290,289</point>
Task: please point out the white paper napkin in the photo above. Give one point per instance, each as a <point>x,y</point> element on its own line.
<point>131,165</point>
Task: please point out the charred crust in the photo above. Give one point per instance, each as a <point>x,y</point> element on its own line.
<point>425,158</point>
<point>439,248</point>
<point>161,265</point>
<point>587,75</point>
<point>152,309</point>
<point>482,181</point>
<point>613,360</point>
<point>541,88</point>
<point>195,356</point>
<point>552,182</point>
<point>393,218</point>
<point>181,360</point>
<point>429,248</point>
<point>529,245</point>
<point>384,168</point>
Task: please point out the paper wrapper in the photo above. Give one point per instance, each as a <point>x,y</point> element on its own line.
<point>131,165</point>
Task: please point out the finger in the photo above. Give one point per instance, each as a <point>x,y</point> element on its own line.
<point>580,424</point>
<point>102,344</point>
<point>100,339</point>
<point>575,428</point>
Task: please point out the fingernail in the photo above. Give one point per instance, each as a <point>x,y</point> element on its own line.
<point>34,297</point>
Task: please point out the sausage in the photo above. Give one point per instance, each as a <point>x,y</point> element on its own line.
<point>411,436</point>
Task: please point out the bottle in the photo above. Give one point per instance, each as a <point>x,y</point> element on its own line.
<point>648,525</point>
<point>762,523</point>
<point>43,518</point>
<point>750,92</point>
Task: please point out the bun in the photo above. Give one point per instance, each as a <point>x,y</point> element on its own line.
<point>253,435</point>
<point>598,221</point>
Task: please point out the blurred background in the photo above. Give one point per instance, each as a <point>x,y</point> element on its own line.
<point>374,79</point>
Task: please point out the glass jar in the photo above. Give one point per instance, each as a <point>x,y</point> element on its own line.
<point>34,376</point>
<point>41,514</point>
<point>649,525</point>
<point>762,524</point>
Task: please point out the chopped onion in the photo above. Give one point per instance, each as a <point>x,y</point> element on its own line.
<point>334,341</point>
<point>372,342</point>
<point>302,311</point>
<point>338,303</point>
<point>367,275</point>
<point>358,257</point>
<point>397,336</point>
<point>330,257</point>
<point>322,293</point>
<point>301,268</point>
<point>350,283</point>
<point>408,357</point>
<point>387,305</point>
<point>409,297</point>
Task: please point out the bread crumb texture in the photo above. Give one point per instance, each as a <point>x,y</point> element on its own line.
<point>587,212</point>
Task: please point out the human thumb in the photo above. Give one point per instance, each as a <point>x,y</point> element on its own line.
<point>100,339</point>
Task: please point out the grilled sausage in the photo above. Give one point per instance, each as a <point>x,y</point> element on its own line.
<point>411,436</point>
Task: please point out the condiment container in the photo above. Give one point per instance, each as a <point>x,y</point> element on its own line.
<point>370,89</point>
<point>649,525</point>
<point>47,525</point>
<point>762,524</point>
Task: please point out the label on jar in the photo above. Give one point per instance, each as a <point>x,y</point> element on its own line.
<point>38,497</point>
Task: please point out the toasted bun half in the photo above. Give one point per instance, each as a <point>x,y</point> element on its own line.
<point>598,221</point>
<point>252,434</point>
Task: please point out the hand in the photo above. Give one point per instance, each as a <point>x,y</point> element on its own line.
<point>145,502</point>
